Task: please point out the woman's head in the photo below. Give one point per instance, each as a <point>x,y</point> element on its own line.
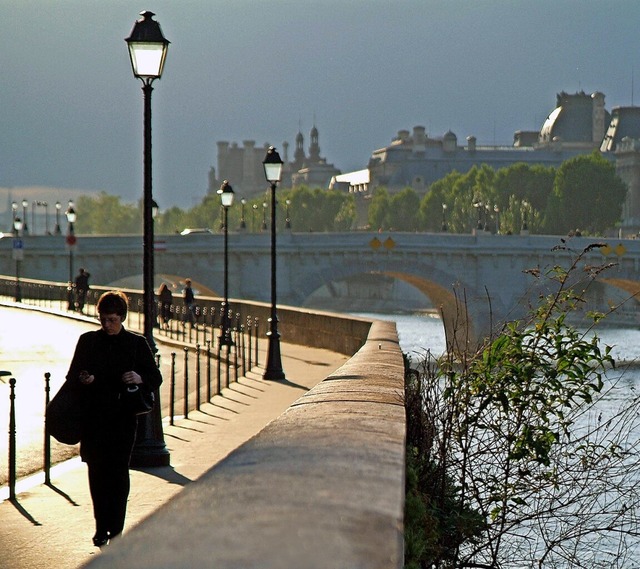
<point>112,307</point>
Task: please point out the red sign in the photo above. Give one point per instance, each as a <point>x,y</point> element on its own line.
<point>71,239</point>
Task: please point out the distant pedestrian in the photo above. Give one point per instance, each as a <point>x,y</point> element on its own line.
<point>190,302</point>
<point>82,286</point>
<point>106,364</point>
<point>166,303</point>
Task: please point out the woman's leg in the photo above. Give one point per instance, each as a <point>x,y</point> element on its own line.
<point>109,485</point>
<point>98,486</point>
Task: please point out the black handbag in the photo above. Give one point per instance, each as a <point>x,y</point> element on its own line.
<point>137,401</point>
<point>65,415</point>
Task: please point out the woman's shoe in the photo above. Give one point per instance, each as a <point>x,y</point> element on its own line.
<point>100,540</point>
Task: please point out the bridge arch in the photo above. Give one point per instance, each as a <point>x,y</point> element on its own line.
<point>464,324</point>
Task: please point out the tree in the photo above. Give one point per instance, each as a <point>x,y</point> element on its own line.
<point>104,214</point>
<point>404,211</point>
<point>379,209</point>
<point>526,182</point>
<point>587,195</point>
<point>518,457</point>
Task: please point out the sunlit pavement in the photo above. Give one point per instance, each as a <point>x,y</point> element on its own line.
<point>32,343</point>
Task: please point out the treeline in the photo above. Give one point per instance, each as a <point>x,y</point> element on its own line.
<point>583,194</point>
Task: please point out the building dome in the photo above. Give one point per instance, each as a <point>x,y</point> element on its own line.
<point>449,141</point>
<point>578,118</point>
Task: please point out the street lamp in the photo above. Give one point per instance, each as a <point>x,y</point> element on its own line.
<point>226,197</point>
<point>58,231</point>
<point>243,223</point>
<point>525,212</point>
<point>444,217</point>
<point>478,205</point>
<point>148,52</point>
<point>71,244</point>
<point>25,227</point>
<point>17,253</point>
<point>273,173</point>
<point>254,207</point>
<point>287,219</point>
<point>264,216</point>
<point>14,213</point>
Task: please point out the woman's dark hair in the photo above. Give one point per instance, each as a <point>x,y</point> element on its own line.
<point>113,302</point>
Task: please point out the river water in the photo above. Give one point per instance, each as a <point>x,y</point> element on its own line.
<point>421,333</point>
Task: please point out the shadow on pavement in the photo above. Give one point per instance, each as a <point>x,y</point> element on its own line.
<point>63,494</point>
<point>24,512</point>
<point>166,473</point>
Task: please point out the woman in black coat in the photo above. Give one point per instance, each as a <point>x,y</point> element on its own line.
<point>105,364</point>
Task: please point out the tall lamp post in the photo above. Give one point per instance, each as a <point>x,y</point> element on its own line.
<point>14,214</point>
<point>58,231</point>
<point>25,227</point>
<point>287,219</point>
<point>243,223</point>
<point>71,244</point>
<point>17,254</point>
<point>444,217</point>
<point>226,197</point>
<point>479,205</point>
<point>273,172</point>
<point>148,52</point>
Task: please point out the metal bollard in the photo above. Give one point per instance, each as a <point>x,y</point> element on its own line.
<point>198,382</point>
<point>256,342</point>
<point>47,437</point>
<point>204,325</point>
<point>249,341</point>
<point>12,440</point>
<point>172,398</point>
<point>241,337</point>
<point>235,349</point>
<point>208,371</point>
<point>186,383</point>
<point>219,367</point>
<point>227,371</point>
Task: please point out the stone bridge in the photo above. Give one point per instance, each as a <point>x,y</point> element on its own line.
<point>475,280</point>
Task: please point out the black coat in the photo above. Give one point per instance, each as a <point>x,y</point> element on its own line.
<point>109,431</point>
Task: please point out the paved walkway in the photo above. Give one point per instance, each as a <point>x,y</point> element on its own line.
<point>52,526</point>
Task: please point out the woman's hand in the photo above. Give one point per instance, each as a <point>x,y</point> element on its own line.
<point>85,377</point>
<point>131,378</point>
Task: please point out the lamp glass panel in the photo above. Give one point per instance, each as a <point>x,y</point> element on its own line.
<point>272,172</point>
<point>226,198</point>
<point>147,58</point>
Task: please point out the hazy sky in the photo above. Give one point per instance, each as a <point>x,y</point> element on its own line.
<point>71,110</point>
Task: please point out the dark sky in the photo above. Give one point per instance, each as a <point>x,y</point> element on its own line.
<point>71,111</point>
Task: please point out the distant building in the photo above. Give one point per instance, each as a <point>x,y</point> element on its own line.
<point>242,166</point>
<point>579,124</point>
<point>576,126</point>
